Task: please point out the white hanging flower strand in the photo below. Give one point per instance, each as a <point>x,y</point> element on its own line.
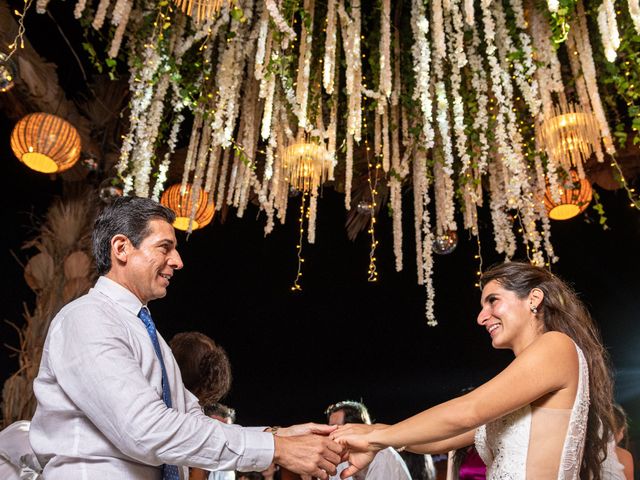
<point>608,27</point>
<point>329,65</point>
<point>421,66</point>
<point>281,23</point>
<point>385,48</point>
<point>634,12</point>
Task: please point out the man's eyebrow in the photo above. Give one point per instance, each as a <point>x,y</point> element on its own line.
<point>166,241</point>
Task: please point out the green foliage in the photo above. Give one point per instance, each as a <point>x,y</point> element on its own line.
<point>599,209</point>
<point>560,21</point>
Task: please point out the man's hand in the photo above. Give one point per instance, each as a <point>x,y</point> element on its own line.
<point>358,461</point>
<point>313,455</point>
<point>306,429</point>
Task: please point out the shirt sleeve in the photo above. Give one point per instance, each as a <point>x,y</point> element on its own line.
<point>95,366</point>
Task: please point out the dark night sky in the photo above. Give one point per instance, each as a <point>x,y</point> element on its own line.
<point>342,337</point>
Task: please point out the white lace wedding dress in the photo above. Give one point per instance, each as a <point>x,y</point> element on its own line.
<point>525,443</point>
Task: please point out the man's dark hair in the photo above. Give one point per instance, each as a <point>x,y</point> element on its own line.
<point>354,412</point>
<point>220,410</point>
<point>204,366</point>
<point>128,216</point>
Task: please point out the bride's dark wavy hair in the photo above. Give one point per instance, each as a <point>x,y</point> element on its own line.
<point>562,311</point>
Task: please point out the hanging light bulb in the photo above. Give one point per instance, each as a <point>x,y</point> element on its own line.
<point>8,72</point>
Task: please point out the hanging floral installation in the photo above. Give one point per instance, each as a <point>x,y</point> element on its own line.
<point>461,102</point>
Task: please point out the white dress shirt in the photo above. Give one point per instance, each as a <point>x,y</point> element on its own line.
<point>100,413</point>
<point>17,460</point>
<point>386,465</point>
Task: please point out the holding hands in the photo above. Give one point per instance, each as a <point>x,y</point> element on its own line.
<point>359,446</point>
<point>307,450</point>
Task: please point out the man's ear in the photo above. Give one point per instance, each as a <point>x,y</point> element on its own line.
<point>120,247</point>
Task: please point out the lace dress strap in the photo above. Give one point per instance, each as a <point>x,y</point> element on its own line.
<point>573,449</point>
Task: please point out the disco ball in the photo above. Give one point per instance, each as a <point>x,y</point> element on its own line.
<point>110,189</point>
<point>445,243</point>
<point>364,207</point>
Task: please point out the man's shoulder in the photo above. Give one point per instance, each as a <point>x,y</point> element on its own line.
<point>91,305</point>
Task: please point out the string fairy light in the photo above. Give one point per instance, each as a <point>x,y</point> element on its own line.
<point>296,282</point>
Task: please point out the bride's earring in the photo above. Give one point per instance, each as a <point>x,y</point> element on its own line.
<point>533,309</point>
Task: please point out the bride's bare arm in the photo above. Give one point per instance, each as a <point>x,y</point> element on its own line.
<point>443,446</point>
<point>550,364</point>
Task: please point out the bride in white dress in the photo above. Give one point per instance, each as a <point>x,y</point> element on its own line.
<point>546,416</point>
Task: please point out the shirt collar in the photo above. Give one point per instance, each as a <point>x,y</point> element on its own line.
<point>119,294</point>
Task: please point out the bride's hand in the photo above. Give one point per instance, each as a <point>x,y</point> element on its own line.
<point>356,436</point>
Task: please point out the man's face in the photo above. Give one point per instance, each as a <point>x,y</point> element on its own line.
<point>149,267</point>
<point>336,418</point>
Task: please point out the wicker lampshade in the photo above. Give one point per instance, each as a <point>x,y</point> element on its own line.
<point>201,10</point>
<point>307,165</point>
<point>570,136</point>
<point>182,204</point>
<point>575,196</point>
<point>46,143</point>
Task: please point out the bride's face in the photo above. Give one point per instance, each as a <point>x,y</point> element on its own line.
<point>507,318</point>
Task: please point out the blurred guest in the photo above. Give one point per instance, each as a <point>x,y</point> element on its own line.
<point>387,464</point>
<point>622,441</point>
<point>420,466</point>
<point>220,412</point>
<point>204,365</point>
<point>250,476</point>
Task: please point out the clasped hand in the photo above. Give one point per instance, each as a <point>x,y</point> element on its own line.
<point>358,448</point>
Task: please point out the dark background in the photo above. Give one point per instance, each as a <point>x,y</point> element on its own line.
<point>294,353</point>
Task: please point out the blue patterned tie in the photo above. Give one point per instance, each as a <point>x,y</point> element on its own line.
<point>169,472</point>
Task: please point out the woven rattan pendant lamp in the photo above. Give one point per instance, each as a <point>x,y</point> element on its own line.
<point>46,143</point>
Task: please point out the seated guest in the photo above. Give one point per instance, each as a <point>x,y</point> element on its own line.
<point>388,465</point>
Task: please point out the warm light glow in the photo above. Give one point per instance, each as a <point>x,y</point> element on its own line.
<point>46,143</point>
<point>201,10</point>
<point>182,204</point>
<point>7,73</point>
<point>575,196</point>
<point>570,136</point>
<point>307,165</point>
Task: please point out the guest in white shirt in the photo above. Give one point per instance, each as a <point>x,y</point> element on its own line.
<point>111,403</point>
<point>387,464</point>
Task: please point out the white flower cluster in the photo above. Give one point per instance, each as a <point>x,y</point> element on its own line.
<point>608,29</point>
<point>589,74</point>
<point>481,89</point>
<point>304,66</point>
<point>281,23</point>
<point>525,70</point>
<point>329,62</point>
<point>634,12</point>
<point>385,49</point>
<point>136,151</point>
<point>123,8</point>
<point>421,66</point>
<point>101,14</point>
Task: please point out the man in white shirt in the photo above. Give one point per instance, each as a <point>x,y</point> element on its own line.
<point>111,403</point>
<point>387,464</point>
